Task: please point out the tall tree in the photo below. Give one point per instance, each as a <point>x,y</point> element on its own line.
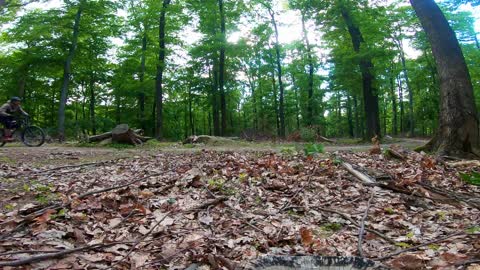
<point>370,95</point>
<point>221,67</point>
<point>160,70</point>
<point>281,102</point>
<point>67,73</point>
<point>458,132</point>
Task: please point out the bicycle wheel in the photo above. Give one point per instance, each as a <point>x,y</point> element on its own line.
<point>2,133</point>
<point>33,136</point>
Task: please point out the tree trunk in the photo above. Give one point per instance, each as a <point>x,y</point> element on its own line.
<point>251,83</point>
<point>66,74</point>
<point>160,69</point>
<point>358,129</point>
<point>93,121</point>
<point>214,98</point>
<point>297,100</point>
<point>458,132</point>
<point>400,100</point>
<point>281,106</point>
<point>350,116</point>
<point>275,102</point>
<point>409,87</point>
<point>310,73</point>
<point>221,72</point>
<point>370,95</point>
<point>190,111</point>
<point>141,96</point>
<point>394,103</point>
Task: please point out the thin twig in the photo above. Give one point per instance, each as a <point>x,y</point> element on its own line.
<point>422,245</point>
<point>361,231</point>
<point>55,255</point>
<point>118,187</point>
<point>26,252</point>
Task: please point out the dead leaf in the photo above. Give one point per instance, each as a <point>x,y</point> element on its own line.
<point>113,223</point>
<point>45,217</point>
<point>307,236</point>
<point>408,262</point>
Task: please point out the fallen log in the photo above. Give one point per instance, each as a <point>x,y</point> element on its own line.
<point>120,134</point>
<point>100,137</point>
<point>324,139</point>
<point>363,177</point>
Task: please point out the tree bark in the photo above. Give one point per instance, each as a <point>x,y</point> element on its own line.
<point>409,87</point>
<point>160,70</point>
<point>93,121</point>
<point>190,111</point>
<point>214,98</point>
<point>141,96</point>
<point>400,100</point>
<point>281,106</point>
<point>370,95</point>
<point>350,117</point>
<point>393,97</point>
<point>221,75</point>
<point>458,132</point>
<point>358,129</point>
<point>66,74</point>
<point>297,100</point>
<point>310,73</point>
<point>275,101</point>
<point>251,83</point>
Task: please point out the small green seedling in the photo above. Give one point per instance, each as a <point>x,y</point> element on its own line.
<point>472,178</point>
<point>312,149</point>
<point>403,245</point>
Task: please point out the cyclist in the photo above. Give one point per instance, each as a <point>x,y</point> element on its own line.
<point>7,116</point>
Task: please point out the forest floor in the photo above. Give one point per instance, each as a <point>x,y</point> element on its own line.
<point>212,207</point>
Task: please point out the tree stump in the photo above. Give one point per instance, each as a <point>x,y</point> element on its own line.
<point>120,134</point>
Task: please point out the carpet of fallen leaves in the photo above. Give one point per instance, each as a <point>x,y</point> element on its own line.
<point>222,210</point>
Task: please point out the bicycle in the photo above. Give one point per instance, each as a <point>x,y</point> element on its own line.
<point>30,135</point>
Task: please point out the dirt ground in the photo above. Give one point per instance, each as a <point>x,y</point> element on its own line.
<point>172,206</point>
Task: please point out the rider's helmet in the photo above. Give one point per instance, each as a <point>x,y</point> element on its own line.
<point>13,99</point>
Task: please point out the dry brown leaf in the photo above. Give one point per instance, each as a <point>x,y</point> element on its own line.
<point>307,236</point>
<point>45,217</point>
<point>408,262</point>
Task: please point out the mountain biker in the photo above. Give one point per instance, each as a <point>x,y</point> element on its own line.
<point>7,116</point>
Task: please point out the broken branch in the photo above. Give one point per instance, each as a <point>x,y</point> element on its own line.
<point>55,255</point>
<point>361,231</point>
<point>362,176</point>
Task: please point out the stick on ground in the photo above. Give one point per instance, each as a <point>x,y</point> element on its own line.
<point>361,231</point>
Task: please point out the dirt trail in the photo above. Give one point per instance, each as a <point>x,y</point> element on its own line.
<point>65,155</point>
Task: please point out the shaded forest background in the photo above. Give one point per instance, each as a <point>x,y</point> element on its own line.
<point>183,67</point>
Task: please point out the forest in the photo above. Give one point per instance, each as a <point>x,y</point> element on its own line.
<point>264,68</point>
<point>315,134</point>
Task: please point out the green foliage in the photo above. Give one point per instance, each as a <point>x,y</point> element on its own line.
<point>389,211</point>
<point>331,227</point>
<point>474,229</point>
<point>308,134</point>
<point>472,178</point>
<point>115,66</point>
<point>313,149</point>
<point>288,151</point>
<point>403,245</point>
